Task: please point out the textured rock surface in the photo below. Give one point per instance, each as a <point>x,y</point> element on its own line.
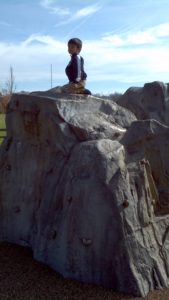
<point>85,185</point>
<point>149,102</point>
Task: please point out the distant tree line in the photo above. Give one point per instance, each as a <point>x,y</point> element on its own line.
<point>10,87</point>
<point>113,96</point>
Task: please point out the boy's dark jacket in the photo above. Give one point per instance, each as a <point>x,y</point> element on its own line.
<point>75,69</point>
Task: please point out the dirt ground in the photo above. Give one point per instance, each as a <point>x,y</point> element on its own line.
<point>22,278</point>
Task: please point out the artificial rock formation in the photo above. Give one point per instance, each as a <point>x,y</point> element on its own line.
<point>84,184</point>
<point>149,102</point>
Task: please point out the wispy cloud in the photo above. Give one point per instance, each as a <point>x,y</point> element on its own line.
<point>87,11</point>
<point>80,13</point>
<point>44,40</point>
<point>31,60</point>
<point>52,8</point>
<point>4,23</point>
<point>147,61</point>
<point>84,14</point>
<point>148,36</point>
<point>69,14</point>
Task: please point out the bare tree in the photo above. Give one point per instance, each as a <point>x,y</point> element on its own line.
<point>10,83</point>
<point>9,89</point>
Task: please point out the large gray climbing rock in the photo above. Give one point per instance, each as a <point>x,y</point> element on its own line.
<point>79,185</point>
<point>149,102</point>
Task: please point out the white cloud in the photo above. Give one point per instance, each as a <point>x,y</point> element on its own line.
<point>144,37</point>
<point>161,30</point>
<point>50,5</point>
<point>31,59</point>
<point>45,40</point>
<point>83,13</point>
<point>87,11</point>
<point>4,23</point>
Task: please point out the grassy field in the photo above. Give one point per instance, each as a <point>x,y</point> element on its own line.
<point>2,126</point>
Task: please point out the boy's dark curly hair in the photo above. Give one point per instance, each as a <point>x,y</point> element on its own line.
<point>76,42</point>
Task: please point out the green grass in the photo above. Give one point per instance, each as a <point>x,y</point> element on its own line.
<point>2,126</point>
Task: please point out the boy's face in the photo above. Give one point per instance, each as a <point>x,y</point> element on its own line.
<point>73,49</point>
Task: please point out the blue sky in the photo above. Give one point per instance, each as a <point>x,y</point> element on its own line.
<point>125,43</point>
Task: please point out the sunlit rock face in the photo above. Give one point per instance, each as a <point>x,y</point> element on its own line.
<point>84,184</point>
<point>148,102</point>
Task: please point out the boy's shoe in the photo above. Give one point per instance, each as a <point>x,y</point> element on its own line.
<point>86,92</point>
<point>82,92</point>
